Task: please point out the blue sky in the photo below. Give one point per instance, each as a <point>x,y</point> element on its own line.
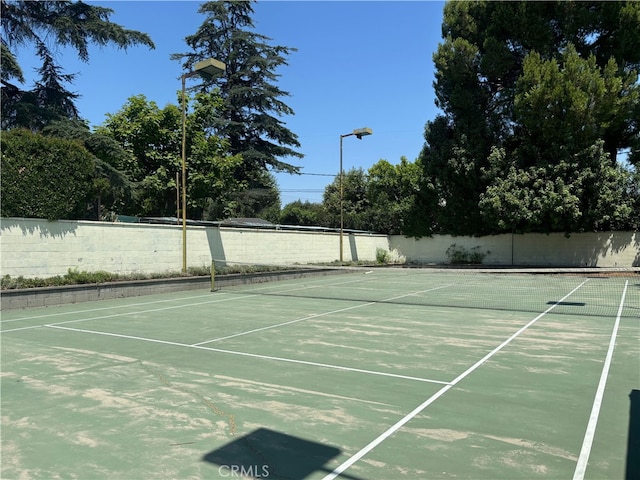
<point>358,64</point>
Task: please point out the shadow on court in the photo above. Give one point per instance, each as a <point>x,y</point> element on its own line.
<point>265,453</point>
<point>633,441</point>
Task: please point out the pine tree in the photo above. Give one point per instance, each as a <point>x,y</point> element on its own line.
<point>252,108</point>
<point>63,23</point>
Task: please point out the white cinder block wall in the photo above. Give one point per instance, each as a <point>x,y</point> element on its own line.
<point>37,248</point>
<point>604,249</point>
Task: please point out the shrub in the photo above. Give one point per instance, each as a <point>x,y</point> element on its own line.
<point>458,255</point>
<point>382,256</point>
<point>43,177</point>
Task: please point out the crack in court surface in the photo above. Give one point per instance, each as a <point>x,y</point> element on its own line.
<point>201,399</point>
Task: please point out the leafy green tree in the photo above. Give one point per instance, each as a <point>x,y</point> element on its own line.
<point>152,138</point>
<point>258,197</point>
<point>559,177</point>
<point>561,197</point>
<point>353,203</point>
<point>391,192</point>
<point>44,177</point>
<point>40,24</point>
<point>531,93</point>
<point>48,101</point>
<point>383,199</point>
<point>112,190</point>
<point>210,167</point>
<point>569,102</point>
<point>303,213</point>
<point>252,111</point>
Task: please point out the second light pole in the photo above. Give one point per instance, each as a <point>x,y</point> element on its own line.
<point>359,132</point>
<point>207,69</point>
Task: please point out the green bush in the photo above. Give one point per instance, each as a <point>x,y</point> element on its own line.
<point>75,277</point>
<point>382,256</point>
<point>80,277</point>
<point>43,177</point>
<point>458,255</point>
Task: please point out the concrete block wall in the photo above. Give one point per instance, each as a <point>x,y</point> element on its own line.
<point>603,250</point>
<point>592,249</point>
<point>434,249</point>
<point>37,248</point>
<point>291,247</point>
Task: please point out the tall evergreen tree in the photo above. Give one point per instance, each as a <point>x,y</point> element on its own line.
<point>42,23</point>
<point>251,116</point>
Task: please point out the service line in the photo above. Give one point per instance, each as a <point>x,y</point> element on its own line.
<point>245,354</point>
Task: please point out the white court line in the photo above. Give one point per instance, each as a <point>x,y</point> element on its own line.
<point>585,451</point>
<point>48,315</point>
<point>173,307</point>
<point>316,315</point>
<point>305,287</point>
<point>394,428</point>
<point>253,355</point>
<point>113,307</point>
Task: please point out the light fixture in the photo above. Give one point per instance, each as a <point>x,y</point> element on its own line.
<point>359,133</point>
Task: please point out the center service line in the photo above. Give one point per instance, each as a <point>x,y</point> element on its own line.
<point>315,315</point>
<point>394,428</point>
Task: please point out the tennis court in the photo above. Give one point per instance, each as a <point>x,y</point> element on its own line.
<point>375,374</point>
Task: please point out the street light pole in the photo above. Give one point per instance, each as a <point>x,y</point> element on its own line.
<point>207,69</point>
<point>184,174</point>
<point>359,133</point>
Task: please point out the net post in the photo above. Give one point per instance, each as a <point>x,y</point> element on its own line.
<point>213,275</point>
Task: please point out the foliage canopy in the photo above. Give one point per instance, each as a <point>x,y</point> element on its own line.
<point>44,177</point>
<point>250,117</point>
<point>538,99</point>
<point>63,23</point>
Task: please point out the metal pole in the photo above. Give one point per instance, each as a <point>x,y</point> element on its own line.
<point>184,176</point>
<point>207,69</point>
<point>213,275</point>
<point>178,198</point>
<point>341,205</point>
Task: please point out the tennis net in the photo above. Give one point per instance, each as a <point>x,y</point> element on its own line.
<point>587,292</point>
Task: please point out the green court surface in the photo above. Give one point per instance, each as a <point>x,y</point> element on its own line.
<point>376,374</point>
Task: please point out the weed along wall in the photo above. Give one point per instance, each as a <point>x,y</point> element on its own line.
<point>37,248</point>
